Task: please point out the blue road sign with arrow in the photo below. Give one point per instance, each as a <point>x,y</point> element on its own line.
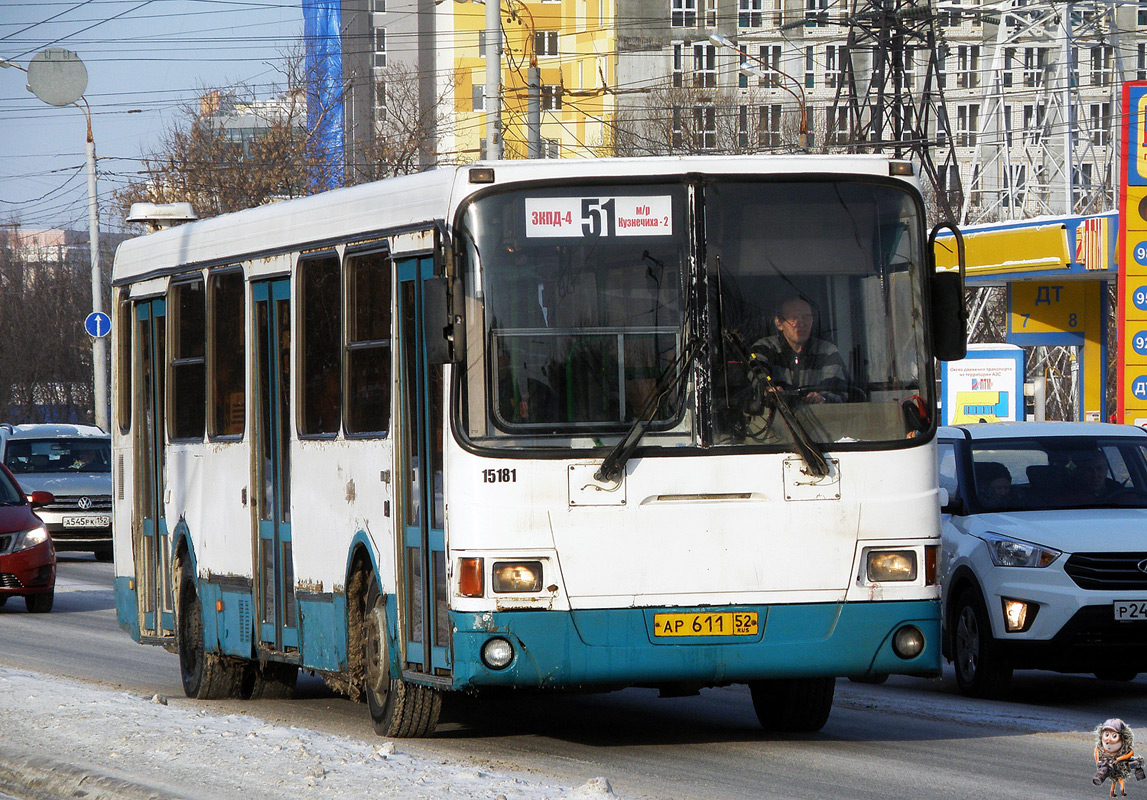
<point>98,324</point>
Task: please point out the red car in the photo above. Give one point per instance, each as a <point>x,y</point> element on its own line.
<point>27,558</point>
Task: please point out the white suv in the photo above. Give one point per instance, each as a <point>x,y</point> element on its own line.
<point>1044,558</point>
<point>73,462</point>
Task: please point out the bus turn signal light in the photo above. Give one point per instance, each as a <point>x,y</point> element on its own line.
<point>470,582</point>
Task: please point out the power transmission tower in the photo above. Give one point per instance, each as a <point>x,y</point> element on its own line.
<point>1060,160</point>
<point>877,108</point>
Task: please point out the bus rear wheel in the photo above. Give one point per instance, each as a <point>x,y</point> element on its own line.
<point>794,705</point>
<point>398,708</point>
<point>272,680</point>
<point>206,676</point>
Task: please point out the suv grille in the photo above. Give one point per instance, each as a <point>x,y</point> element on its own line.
<point>100,503</point>
<point>1107,570</point>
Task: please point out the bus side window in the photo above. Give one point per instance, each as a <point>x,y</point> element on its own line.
<point>187,390</point>
<point>368,342</point>
<point>319,372</point>
<point>228,407</point>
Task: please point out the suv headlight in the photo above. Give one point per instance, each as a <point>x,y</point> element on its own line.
<point>30,538</point>
<point>1008,552</point>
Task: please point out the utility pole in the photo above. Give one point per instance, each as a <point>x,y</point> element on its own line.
<point>493,98</point>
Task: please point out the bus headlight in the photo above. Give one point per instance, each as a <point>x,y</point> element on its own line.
<point>891,565</point>
<point>497,653</point>
<point>517,576</point>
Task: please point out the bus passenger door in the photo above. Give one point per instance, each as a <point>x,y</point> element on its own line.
<point>422,559</point>
<point>278,623</point>
<point>152,541</point>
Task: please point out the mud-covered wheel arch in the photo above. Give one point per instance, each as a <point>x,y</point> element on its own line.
<point>358,584</point>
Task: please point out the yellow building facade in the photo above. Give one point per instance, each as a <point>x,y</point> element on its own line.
<point>573,43</point>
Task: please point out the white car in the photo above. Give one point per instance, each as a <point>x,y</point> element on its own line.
<point>1044,558</point>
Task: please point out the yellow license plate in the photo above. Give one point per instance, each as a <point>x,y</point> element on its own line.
<point>723,623</point>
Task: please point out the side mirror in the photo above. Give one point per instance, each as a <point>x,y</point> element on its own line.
<point>439,325</point>
<point>950,503</point>
<point>37,499</point>
<point>949,316</point>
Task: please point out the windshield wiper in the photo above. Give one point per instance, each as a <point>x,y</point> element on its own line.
<point>774,397</point>
<point>670,379</point>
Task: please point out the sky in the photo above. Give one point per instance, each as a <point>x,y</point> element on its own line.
<point>57,729</point>
<point>146,61</point>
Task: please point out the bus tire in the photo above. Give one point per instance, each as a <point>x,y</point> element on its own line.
<point>272,680</point>
<point>398,708</point>
<point>793,705</point>
<point>206,676</point>
<point>981,670</point>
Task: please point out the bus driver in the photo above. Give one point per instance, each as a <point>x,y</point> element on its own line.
<point>799,362</point>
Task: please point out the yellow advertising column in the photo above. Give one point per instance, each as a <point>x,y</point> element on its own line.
<point>1132,338</point>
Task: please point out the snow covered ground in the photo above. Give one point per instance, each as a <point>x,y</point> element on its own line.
<point>63,738</point>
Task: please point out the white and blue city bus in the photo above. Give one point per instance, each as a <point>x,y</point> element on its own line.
<point>506,425</point>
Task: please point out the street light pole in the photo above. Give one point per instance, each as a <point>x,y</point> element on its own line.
<point>804,140</point>
<point>493,99</point>
<point>59,78</point>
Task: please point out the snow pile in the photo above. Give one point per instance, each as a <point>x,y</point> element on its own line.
<point>182,749</point>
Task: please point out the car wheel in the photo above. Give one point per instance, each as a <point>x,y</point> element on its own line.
<point>796,705</point>
<point>981,670</point>
<point>1122,675</point>
<point>875,678</point>
<point>398,708</point>
<point>206,676</point>
<point>3,600</point>
<point>40,603</point>
<point>103,553</point>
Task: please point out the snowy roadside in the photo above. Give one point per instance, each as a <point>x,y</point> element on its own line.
<point>62,739</point>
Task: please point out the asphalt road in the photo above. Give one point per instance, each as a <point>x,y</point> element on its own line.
<point>908,738</point>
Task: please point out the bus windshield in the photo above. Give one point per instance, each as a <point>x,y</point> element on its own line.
<point>700,308</point>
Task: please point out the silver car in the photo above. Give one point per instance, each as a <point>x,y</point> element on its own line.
<point>73,462</point>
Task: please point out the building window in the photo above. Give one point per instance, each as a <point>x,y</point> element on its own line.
<point>968,66</point>
<point>967,124</point>
<point>1007,120</point>
<point>546,43</point>
<point>942,66</point>
<point>1141,63</point>
<point>378,6</point>
<point>379,47</point>
<point>769,125</point>
<point>368,342</point>
<point>1034,116</point>
<point>942,127</point>
<point>1100,123</point>
<point>1035,60</point>
<point>187,391</point>
<point>678,127</point>
<point>711,13</point>
<point>320,314</point>
<point>743,68</point>
<point>809,68</point>
<point>750,13</point>
<point>836,125</point>
<point>678,64</point>
<point>552,97</point>
<point>705,127</point>
<point>909,67</point>
<point>834,62</point>
<point>743,127</point>
<point>704,66</point>
<point>1014,180</point>
<point>478,96</point>
<point>815,13</point>
<point>1101,61</point>
<point>683,14</point>
<point>551,148</point>
<point>228,404</point>
<point>1009,58</point>
<point>770,55</point>
<point>1141,14</point>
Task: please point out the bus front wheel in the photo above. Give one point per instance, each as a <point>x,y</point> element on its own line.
<point>398,708</point>
<point>206,676</point>
<point>796,705</point>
